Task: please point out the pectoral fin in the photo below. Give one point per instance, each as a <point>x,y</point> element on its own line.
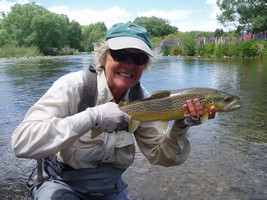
<point>133,125</point>
<point>162,127</point>
<point>204,117</point>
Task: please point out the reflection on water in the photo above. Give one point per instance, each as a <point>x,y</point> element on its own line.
<point>228,158</point>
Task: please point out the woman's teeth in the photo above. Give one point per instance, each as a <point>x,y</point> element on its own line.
<point>125,75</point>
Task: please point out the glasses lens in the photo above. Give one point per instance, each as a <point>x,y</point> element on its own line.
<point>119,55</point>
<point>139,58</point>
<point>123,55</point>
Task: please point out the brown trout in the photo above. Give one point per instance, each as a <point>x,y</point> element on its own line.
<point>166,105</point>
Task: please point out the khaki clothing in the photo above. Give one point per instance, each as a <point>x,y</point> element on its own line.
<point>52,125</point>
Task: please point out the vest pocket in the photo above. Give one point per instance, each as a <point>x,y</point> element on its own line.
<point>124,149</point>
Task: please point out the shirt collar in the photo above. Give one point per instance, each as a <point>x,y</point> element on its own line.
<point>104,92</point>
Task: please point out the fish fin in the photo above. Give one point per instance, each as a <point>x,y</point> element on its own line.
<point>133,125</point>
<point>204,117</point>
<point>122,103</point>
<point>161,93</point>
<point>162,127</point>
<point>95,132</point>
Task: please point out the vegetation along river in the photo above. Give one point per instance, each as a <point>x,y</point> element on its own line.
<point>228,158</point>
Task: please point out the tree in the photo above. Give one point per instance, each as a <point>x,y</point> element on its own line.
<point>91,34</point>
<point>218,32</point>
<point>189,45</point>
<point>156,27</point>
<point>30,24</point>
<point>245,15</point>
<point>17,24</point>
<point>74,35</point>
<point>2,39</point>
<point>50,31</point>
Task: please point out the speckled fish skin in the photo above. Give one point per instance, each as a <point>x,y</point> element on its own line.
<point>166,105</point>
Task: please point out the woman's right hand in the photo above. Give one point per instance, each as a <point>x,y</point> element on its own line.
<point>108,117</point>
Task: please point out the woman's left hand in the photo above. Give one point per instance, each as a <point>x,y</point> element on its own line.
<point>193,111</point>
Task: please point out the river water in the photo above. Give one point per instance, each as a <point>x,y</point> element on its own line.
<point>228,158</point>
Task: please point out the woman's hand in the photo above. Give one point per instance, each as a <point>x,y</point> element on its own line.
<point>193,111</point>
<point>108,117</point>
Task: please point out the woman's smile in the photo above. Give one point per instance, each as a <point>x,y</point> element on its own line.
<point>125,75</point>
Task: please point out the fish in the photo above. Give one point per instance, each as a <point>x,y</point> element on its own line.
<point>167,105</point>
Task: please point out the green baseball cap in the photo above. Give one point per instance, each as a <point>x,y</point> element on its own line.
<point>128,35</point>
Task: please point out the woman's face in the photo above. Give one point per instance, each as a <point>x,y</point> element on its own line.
<point>122,75</point>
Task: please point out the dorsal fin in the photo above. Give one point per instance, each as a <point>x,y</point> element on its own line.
<point>161,94</point>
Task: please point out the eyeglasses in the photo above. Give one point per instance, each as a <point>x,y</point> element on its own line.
<point>123,55</point>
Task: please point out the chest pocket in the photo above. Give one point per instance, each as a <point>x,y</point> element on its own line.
<point>117,148</point>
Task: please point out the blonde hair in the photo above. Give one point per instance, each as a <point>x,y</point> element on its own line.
<point>100,52</point>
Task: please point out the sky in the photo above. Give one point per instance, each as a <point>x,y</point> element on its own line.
<point>186,15</point>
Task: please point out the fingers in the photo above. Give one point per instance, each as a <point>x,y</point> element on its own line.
<point>212,112</point>
<point>198,107</point>
<point>193,108</point>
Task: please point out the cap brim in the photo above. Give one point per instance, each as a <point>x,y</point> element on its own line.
<point>129,42</point>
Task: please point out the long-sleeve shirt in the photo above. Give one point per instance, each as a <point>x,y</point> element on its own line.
<point>53,126</point>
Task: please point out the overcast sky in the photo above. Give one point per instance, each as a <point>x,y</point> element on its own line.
<point>187,15</point>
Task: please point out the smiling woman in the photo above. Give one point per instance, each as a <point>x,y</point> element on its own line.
<point>82,166</point>
<point>127,55</point>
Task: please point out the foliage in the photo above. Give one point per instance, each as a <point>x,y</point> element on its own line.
<point>229,45</point>
<point>17,52</point>
<point>246,16</point>
<point>31,24</point>
<point>92,34</point>
<point>63,51</point>
<point>75,35</point>
<point>248,48</point>
<point>156,27</point>
<point>218,32</point>
<point>17,24</point>
<point>2,39</point>
<point>189,45</point>
<point>176,50</point>
<point>166,51</point>
<point>156,41</point>
<point>50,30</point>
<point>31,28</point>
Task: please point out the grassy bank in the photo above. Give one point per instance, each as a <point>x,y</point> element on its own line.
<point>19,52</point>
<point>224,48</point>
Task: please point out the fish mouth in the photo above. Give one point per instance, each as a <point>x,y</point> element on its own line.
<point>232,106</point>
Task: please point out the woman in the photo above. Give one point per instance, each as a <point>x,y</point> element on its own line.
<point>92,167</point>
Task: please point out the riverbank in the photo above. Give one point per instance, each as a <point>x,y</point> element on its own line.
<point>19,52</point>
<point>247,49</point>
<point>33,51</point>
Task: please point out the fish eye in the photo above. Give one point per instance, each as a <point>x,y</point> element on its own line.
<point>227,99</point>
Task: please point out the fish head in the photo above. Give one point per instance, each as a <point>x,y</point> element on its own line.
<point>223,102</point>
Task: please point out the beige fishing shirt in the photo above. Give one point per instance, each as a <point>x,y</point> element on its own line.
<point>52,125</point>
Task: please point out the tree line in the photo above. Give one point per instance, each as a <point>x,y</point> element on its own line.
<point>34,26</point>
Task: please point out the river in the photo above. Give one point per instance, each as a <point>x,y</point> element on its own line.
<point>228,158</point>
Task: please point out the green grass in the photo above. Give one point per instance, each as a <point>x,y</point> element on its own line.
<point>19,52</point>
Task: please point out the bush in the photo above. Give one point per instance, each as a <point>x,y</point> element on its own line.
<point>166,51</point>
<point>176,50</point>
